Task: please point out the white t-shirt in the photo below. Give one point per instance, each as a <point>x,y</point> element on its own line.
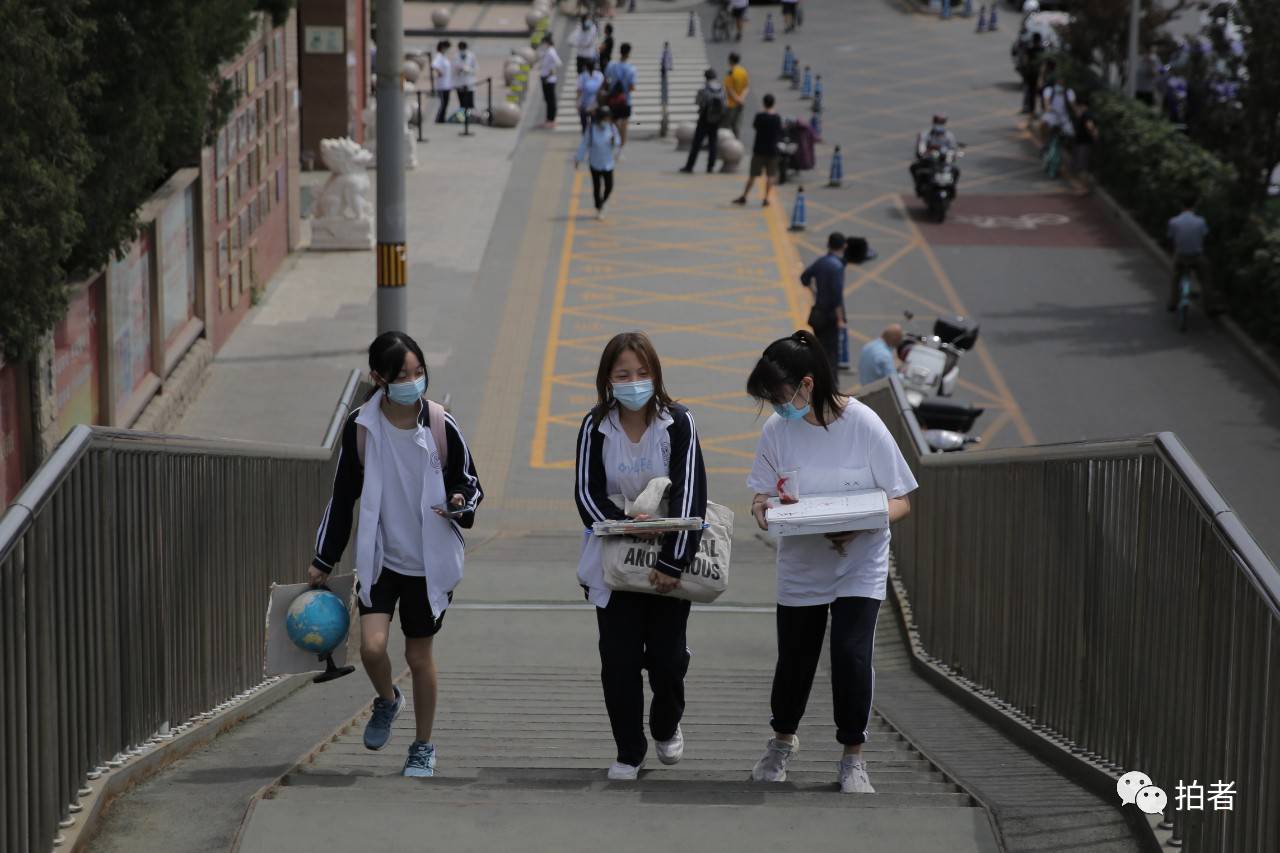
<point>444,72</point>
<point>464,70</point>
<point>548,63</point>
<point>403,473</point>
<point>854,452</point>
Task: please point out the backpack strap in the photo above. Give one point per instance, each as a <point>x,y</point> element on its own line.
<point>435,415</point>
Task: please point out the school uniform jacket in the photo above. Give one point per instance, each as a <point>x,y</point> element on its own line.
<point>686,498</point>
<point>442,541</point>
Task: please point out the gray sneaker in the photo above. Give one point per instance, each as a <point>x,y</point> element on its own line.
<point>772,767</point>
<point>421,762</point>
<point>378,730</point>
<point>853,776</point>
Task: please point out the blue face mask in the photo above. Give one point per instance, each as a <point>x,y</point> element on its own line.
<point>407,393</point>
<point>788,411</point>
<point>633,395</point>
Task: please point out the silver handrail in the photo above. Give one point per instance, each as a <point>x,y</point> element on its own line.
<point>1105,590</point>
<point>133,576</point>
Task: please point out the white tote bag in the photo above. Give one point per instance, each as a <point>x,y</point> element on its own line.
<point>628,561</point>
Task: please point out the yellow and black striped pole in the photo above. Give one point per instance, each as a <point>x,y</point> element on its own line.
<point>392,261</point>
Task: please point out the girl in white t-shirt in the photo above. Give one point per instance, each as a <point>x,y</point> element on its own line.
<point>837,445</point>
<point>635,433</point>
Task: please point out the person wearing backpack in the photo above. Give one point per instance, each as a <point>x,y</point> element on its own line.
<point>619,83</point>
<point>405,460</point>
<point>711,108</point>
<point>599,142</point>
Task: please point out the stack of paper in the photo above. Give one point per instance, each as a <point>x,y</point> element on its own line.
<point>863,510</point>
<point>630,527</point>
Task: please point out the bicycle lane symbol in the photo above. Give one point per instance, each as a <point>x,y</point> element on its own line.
<point>1025,222</point>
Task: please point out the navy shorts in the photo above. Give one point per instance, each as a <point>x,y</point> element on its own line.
<point>416,618</point>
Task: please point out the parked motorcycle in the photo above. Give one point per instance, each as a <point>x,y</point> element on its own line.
<point>936,177</point>
<point>931,370</point>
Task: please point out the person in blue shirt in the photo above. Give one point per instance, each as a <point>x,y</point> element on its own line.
<point>877,358</point>
<point>599,143</point>
<point>619,82</point>
<point>825,277</point>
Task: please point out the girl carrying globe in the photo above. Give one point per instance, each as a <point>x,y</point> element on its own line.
<point>405,459</point>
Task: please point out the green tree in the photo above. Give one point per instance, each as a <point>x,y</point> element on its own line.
<point>43,156</point>
<point>1258,153</point>
<point>1098,34</point>
<point>104,100</point>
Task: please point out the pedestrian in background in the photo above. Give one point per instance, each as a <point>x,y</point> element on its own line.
<point>1086,127</point>
<point>548,65</point>
<point>836,444</point>
<point>789,9</point>
<point>589,83</point>
<point>736,86</point>
<point>442,70</point>
<point>620,81</point>
<point>633,434</point>
<point>710,111</point>
<point>878,357</point>
<point>600,141</point>
<point>583,41</point>
<point>825,278</point>
<point>738,8</point>
<point>764,151</point>
<point>464,77</point>
<point>1030,55</point>
<point>400,454</point>
<point>606,47</point>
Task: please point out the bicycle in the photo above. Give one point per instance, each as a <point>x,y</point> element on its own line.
<point>720,27</point>
<point>1184,299</point>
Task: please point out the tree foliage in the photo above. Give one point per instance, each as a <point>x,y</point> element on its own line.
<point>104,99</point>
<point>1258,153</point>
<point>43,156</point>
<point>1098,34</point>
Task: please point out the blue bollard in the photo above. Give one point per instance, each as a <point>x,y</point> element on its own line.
<point>837,169</point>
<point>806,88</point>
<point>693,24</point>
<point>842,356</point>
<point>991,24</point>
<point>797,211</point>
<point>982,19</point>
<point>788,63</point>
<point>768,27</point>
<point>815,123</point>
<point>946,10</point>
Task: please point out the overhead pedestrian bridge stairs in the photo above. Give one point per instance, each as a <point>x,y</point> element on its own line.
<point>1058,616</point>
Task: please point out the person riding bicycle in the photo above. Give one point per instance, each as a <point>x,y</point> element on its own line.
<point>935,139</point>
<point>1186,233</point>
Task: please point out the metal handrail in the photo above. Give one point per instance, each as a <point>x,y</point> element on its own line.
<point>1106,591</point>
<point>134,569</point>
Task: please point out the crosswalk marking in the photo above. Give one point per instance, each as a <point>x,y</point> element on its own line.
<point>646,32</point>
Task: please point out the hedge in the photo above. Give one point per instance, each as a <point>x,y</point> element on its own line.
<point>1150,167</point>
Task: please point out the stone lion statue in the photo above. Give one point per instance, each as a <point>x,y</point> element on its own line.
<point>345,194</point>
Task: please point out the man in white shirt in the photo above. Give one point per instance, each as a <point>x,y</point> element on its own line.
<point>464,76</point>
<point>584,40</point>
<point>442,72</point>
<point>548,64</point>
<point>738,8</point>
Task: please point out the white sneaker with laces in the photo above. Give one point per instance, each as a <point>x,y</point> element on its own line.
<point>619,772</point>
<point>772,766</point>
<point>671,751</point>
<point>853,776</point>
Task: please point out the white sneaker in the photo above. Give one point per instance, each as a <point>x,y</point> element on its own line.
<point>853,776</point>
<point>772,767</point>
<point>620,772</point>
<point>671,751</point>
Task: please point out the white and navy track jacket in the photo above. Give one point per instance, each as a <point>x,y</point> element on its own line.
<point>350,483</point>
<point>686,498</point>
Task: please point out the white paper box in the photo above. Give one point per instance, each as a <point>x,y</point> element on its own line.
<point>815,514</point>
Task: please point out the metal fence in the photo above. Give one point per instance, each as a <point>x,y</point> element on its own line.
<point>1108,592</point>
<point>134,571</point>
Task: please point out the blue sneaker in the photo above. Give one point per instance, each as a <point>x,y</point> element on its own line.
<point>378,731</point>
<point>421,762</point>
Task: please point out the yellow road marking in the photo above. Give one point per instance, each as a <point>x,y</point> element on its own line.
<point>537,455</point>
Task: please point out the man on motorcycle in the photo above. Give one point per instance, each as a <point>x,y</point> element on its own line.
<point>936,138</point>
